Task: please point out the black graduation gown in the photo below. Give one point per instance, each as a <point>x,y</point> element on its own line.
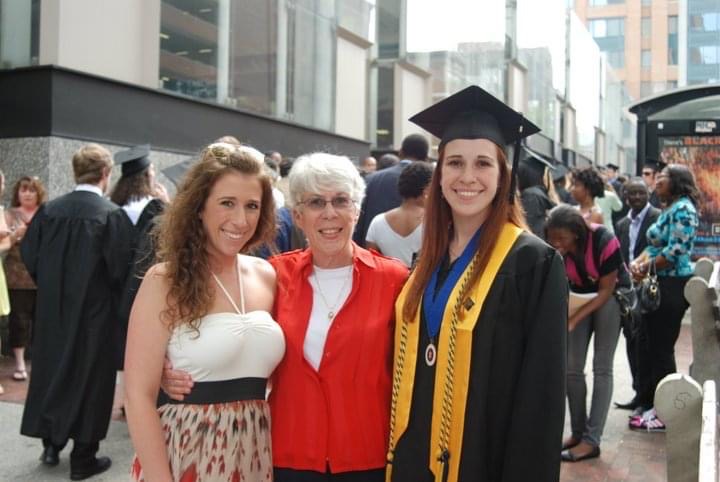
<point>536,204</point>
<point>516,400</point>
<point>143,257</point>
<point>77,250</point>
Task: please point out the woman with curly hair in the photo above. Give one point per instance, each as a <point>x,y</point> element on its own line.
<point>27,197</point>
<point>208,308</point>
<point>670,243</point>
<point>586,186</point>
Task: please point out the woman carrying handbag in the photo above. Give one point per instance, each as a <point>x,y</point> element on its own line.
<point>671,239</point>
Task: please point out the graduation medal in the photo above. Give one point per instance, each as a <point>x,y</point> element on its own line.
<point>435,298</point>
<point>430,354</point>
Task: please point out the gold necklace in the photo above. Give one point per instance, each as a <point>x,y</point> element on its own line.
<point>331,308</point>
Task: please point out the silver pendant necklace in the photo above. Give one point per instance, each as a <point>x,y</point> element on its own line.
<point>331,308</point>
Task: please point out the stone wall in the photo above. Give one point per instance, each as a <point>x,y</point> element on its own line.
<point>49,158</point>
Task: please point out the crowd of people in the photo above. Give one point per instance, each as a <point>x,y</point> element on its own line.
<point>399,319</point>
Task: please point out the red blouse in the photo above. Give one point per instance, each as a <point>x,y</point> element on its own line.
<point>338,416</point>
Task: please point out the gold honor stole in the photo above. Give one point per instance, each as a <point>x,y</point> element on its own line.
<point>405,359</point>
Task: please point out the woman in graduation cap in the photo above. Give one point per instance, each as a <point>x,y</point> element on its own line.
<point>479,368</point>
<point>142,199</point>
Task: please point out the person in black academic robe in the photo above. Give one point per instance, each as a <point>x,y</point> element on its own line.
<point>143,199</point>
<point>480,336</point>
<point>533,194</point>
<point>142,258</point>
<point>77,250</point>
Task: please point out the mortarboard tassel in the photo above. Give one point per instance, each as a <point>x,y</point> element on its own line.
<point>515,163</point>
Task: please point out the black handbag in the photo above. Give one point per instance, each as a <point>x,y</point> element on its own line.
<point>649,291</point>
<point>626,297</point>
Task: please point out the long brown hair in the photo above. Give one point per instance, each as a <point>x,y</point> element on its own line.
<point>132,187</point>
<point>182,240</point>
<point>438,231</point>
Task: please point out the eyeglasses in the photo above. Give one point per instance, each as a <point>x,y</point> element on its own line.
<point>338,202</point>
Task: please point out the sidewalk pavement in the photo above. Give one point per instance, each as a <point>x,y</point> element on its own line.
<point>626,455</point>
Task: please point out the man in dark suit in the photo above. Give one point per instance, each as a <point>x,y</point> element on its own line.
<point>630,231</point>
<point>381,193</point>
<point>78,251</point>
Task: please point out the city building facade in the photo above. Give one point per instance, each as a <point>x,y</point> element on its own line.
<point>640,39</point>
<point>702,61</point>
<point>291,75</point>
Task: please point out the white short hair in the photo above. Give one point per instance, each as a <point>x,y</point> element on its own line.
<point>319,171</point>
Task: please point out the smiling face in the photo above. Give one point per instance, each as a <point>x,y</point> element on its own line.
<point>469,178</point>
<point>329,228</point>
<point>230,214</point>
<point>636,194</point>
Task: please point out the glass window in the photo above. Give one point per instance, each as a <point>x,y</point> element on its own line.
<point>600,3</point>
<point>275,58</point>
<point>647,2</point>
<point>705,22</point>
<point>310,71</point>
<point>255,54</point>
<point>19,39</point>
<point>598,28</point>
<point>189,47</point>
<point>607,27</point>
<point>672,40</point>
<point>646,59</point>
<point>616,59</point>
<point>645,27</point>
<point>709,54</point>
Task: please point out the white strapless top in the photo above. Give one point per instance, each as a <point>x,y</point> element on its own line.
<point>229,345</point>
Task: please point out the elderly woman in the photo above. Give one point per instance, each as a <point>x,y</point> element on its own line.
<point>330,396</point>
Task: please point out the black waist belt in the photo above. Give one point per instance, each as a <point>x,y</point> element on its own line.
<point>224,391</point>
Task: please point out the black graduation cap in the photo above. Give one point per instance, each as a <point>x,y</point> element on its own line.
<point>474,113</point>
<point>133,160</point>
<point>536,161</point>
<point>560,171</point>
<point>176,172</point>
<point>612,166</point>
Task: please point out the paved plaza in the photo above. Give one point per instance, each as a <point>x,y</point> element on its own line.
<point>626,455</point>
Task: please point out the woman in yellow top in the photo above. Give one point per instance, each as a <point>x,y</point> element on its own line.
<point>480,340</point>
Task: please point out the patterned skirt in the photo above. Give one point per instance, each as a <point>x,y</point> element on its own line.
<point>216,442</point>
